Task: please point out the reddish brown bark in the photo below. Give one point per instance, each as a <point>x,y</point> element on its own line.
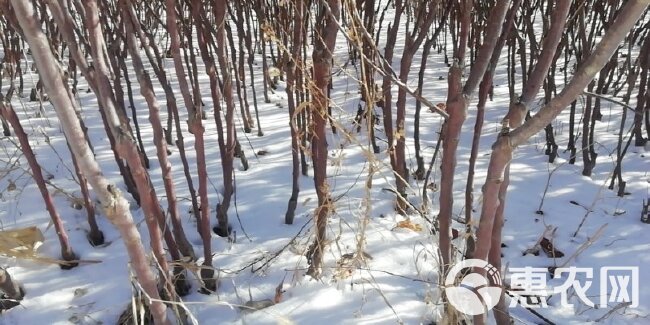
<point>190,104</point>
<point>484,91</point>
<point>146,89</point>
<point>413,41</point>
<point>207,271</point>
<point>128,150</point>
<point>325,37</point>
<point>457,103</point>
<point>387,107</point>
<point>502,150</point>
<point>95,236</point>
<point>113,203</point>
<point>643,97</point>
<point>226,139</point>
<point>66,249</point>
<point>292,65</point>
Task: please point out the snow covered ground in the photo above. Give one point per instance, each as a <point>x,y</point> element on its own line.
<point>399,284</point>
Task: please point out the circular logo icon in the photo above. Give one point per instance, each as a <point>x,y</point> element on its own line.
<point>474,294</point>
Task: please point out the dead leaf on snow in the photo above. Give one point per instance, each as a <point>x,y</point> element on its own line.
<point>408,224</point>
<point>20,241</point>
<point>23,242</point>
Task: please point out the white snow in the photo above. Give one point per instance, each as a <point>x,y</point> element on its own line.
<point>399,284</point>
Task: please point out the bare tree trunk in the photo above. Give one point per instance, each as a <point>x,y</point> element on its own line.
<point>95,236</point>
<point>242,91</point>
<point>64,19</point>
<point>192,108</point>
<point>251,52</point>
<point>113,203</point>
<point>484,91</point>
<point>127,149</point>
<point>146,89</point>
<point>237,61</point>
<point>643,98</point>
<point>326,30</point>
<point>509,140</point>
<point>209,283</point>
<point>292,65</point>
<point>413,41</point>
<point>515,117</point>
<point>66,249</point>
<point>134,110</point>
<point>419,160</point>
<point>261,16</point>
<point>227,138</point>
<point>369,53</point>
<point>457,104</point>
<point>387,107</point>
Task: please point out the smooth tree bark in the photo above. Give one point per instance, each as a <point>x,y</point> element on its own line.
<point>420,171</point>
<point>240,76</point>
<point>413,40</point>
<point>260,12</point>
<point>193,107</point>
<point>325,32</point>
<point>95,236</point>
<point>291,66</point>
<point>119,94</point>
<point>114,205</point>
<point>503,148</point>
<point>226,137</point>
<point>387,104</point>
<point>146,89</point>
<point>515,118</point>
<point>250,59</point>
<point>643,97</point>
<point>59,10</point>
<point>204,38</point>
<point>67,254</point>
<point>485,88</point>
<point>458,97</point>
<point>127,148</point>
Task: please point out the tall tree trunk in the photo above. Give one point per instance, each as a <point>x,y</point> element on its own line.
<point>326,30</point>
<point>292,65</point>
<point>146,89</point>
<point>387,107</point>
<point>643,98</point>
<point>95,236</point>
<point>193,108</point>
<point>227,138</point>
<point>207,271</point>
<point>66,249</point>
<point>126,147</point>
<point>64,20</point>
<point>113,203</point>
<point>251,55</point>
<point>457,104</point>
<point>509,140</point>
<point>412,43</point>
